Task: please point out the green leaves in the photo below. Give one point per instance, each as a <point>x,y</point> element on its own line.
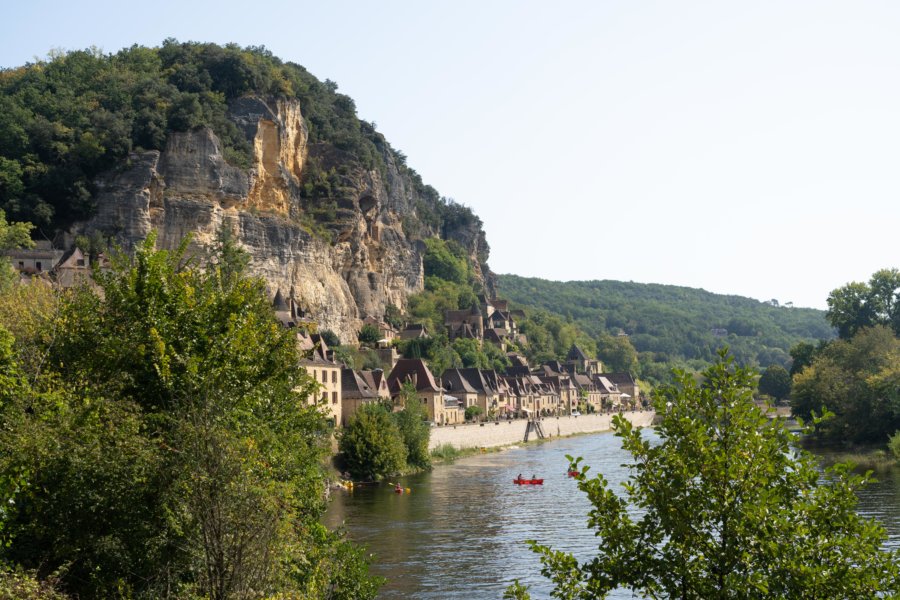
<point>371,444</point>
<point>168,444</point>
<point>720,508</point>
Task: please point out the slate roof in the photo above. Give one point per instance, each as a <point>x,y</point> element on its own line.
<point>415,370</point>
<point>455,383</point>
<point>354,386</point>
<point>576,353</point>
<point>619,378</point>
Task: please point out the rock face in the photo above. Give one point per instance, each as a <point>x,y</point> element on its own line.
<point>189,188</point>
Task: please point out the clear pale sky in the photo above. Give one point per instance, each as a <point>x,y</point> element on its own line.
<point>750,148</point>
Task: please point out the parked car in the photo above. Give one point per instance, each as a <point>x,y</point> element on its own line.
<point>576,413</point>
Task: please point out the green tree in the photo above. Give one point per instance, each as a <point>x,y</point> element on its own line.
<point>858,305</point>
<point>857,379</point>
<point>617,354</point>
<point>168,446</point>
<point>412,423</point>
<point>442,262</point>
<point>369,334</point>
<point>894,444</point>
<point>775,382</point>
<point>331,339</point>
<point>725,509</point>
<point>12,235</point>
<point>802,355</point>
<point>371,444</point>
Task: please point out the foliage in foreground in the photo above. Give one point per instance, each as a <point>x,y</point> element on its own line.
<point>160,443</point>
<point>723,507</point>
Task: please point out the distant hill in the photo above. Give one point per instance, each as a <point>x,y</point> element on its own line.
<point>670,325</point>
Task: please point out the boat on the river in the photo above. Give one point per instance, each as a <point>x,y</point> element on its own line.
<point>520,481</point>
<point>574,473</point>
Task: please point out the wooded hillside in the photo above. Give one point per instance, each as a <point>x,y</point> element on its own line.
<point>669,325</point>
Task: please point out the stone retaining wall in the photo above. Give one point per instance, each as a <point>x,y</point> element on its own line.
<point>505,433</point>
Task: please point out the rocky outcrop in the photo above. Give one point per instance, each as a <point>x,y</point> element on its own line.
<point>189,188</point>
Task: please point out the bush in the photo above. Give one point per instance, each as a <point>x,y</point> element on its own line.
<point>894,445</point>
<point>472,412</point>
<point>369,334</point>
<point>446,452</point>
<point>21,585</point>
<point>371,444</point>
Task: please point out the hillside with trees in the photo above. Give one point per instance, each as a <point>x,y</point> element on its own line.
<point>67,119</point>
<point>650,328</point>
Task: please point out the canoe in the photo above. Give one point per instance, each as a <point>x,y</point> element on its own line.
<point>528,481</point>
<point>574,473</point>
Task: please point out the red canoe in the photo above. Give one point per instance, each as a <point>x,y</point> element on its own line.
<point>528,481</point>
<point>574,473</point>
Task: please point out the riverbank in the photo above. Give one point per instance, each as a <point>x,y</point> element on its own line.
<point>494,434</point>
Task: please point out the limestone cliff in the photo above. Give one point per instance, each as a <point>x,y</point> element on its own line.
<point>341,257</point>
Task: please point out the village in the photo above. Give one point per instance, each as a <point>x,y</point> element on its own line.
<point>570,388</point>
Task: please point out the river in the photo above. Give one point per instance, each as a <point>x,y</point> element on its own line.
<point>461,532</point>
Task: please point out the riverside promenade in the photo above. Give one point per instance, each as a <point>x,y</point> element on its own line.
<point>506,433</point>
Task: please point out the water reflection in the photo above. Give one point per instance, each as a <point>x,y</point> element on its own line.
<point>461,532</point>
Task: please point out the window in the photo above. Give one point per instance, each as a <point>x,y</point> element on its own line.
<point>334,377</point>
<point>324,376</point>
<point>334,397</point>
<point>37,266</point>
<point>325,397</point>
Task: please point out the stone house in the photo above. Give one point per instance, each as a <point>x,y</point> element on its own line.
<point>565,390</point>
<point>588,392</point>
<point>612,396</point>
<point>359,388</point>
<point>386,333</point>
<point>485,383</point>
<point>457,386</point>
<point>627,386</point>
<point>414,331</point>
<point>464,323</point>
<point>582,363</point>
<point>35,261</point>
<point>321,367</point>
<point>431,394</point>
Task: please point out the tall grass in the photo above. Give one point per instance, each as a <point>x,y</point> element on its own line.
<point>446,453</point>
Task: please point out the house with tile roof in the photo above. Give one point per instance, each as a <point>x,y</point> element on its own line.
<point>627,385</point>
<point>441,410</point>
<point>359,388</point>
<point>319,364</point>
<point>456,385</point>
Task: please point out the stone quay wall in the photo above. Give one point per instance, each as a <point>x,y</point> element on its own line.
<point>506,433</point>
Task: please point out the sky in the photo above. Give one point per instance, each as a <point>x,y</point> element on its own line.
<point>748,148</point>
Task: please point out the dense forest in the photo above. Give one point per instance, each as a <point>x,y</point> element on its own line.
<point>667,326</point>
<point>75,115</point>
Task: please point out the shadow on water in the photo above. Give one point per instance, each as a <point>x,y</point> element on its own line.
<point>461,532</point>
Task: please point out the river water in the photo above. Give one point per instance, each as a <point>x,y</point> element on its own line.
<point>461,531</point>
